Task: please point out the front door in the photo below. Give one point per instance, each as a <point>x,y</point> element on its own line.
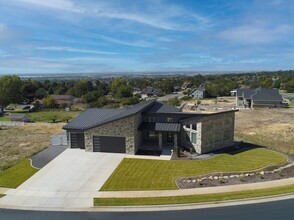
<point>169,137</point>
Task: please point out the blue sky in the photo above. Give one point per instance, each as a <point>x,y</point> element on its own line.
<point>52,36</point>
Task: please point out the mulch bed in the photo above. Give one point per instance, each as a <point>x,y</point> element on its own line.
<point>233,178</point>
<point>191,182</point>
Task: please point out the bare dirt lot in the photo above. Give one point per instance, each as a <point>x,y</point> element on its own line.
<point>273,128</point>
<point>17,143</point>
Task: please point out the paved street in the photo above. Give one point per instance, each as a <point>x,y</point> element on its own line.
<point>278,210</point>
<point>70,180</point>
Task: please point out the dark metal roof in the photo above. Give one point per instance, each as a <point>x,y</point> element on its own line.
<point>159,107</point>
<point>260,94</point>
<point>246,93</point>
<point>94,117</point>
<point>267,95</point>
<point>175,127</point>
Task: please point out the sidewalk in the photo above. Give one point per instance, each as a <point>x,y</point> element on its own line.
<point>186,192</point>
<point>4,190</point>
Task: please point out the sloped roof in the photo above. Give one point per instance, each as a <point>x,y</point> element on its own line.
<point>174,127</point>
<point>168,127</point>
<point>247,93</point>
<point>159,107</point>
<point>260,94</point>
<point>202,89</point>
<point>267,95</point>
<point>94,117</point>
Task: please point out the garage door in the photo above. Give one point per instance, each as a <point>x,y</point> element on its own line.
<point>77,140</point>
<point>109,144</point>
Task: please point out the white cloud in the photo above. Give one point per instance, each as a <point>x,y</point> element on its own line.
<point>68,49</point>
<point>165,16</point>
<point>65,5</point>
<point>255,34</point>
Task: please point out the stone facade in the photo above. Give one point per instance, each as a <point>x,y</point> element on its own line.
<point>126,127</point>
<point>213,132</point>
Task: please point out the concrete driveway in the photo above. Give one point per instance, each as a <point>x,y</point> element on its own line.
<point>70,180</point>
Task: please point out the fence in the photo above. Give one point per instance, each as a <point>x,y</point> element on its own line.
<point>12,123</point>
<point>59,139</point>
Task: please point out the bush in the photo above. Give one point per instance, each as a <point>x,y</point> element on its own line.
<point>186,98</point>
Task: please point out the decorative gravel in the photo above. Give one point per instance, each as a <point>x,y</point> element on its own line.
<point>44,157</point>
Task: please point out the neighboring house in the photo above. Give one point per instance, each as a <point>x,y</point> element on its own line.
<point>198,93</point>
<point>152,124</point>
<point>151,92</point>
<point>250,98</point>
<point>19,117</point>
<point>177,88</point>
<point>63,99</point>
<point>186,85</point>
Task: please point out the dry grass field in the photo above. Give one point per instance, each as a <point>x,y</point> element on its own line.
<point>17,143</point>
<point>273,128</point>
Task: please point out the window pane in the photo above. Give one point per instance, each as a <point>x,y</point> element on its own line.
<point>194,138</point>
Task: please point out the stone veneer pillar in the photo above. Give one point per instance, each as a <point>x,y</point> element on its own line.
<point>160,140</point>
<point>175,139</point>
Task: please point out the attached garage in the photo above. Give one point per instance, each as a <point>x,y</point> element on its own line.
<point>77,140</point>
<point>109,144</point>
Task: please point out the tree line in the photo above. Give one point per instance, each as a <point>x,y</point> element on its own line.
<point>119,91</point>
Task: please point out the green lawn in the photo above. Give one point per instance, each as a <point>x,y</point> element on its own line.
<point>1,195</point>
<point>141,174</point>
<point>16,175</point>
<point>192,198</point>
<point>4,118</point>
<point>45,116</point>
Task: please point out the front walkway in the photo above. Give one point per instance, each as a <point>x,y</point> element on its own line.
<point>70,180</point>
<point>196,191</point>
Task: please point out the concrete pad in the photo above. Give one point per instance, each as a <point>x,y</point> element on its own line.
<point>69,180</point>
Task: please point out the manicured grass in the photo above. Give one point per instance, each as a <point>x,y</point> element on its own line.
<point>16,175</point>
<point>45,116</point>
<point>192,198</point>
<point>140,174</point>
<point>1,195</point>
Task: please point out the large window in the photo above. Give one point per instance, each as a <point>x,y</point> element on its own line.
<point>151,134</point>
<point>151,119</point>
<point>194,138</point>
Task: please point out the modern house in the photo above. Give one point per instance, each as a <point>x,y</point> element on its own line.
<point>19,117</point>
<point>198,93</point>
<point>63,99</point>
<point>150,123</point>
<point>250,98</point>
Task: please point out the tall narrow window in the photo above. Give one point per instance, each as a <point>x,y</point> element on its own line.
<point>194,138</point>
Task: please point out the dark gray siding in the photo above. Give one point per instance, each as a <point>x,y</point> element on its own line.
<point>109,144</point>
<point>77,140</point>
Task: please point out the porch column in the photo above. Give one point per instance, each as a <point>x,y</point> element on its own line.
<point>160,140</point>
<point>176,139</point>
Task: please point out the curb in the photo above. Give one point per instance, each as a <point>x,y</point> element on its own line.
<point>149,208</point>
